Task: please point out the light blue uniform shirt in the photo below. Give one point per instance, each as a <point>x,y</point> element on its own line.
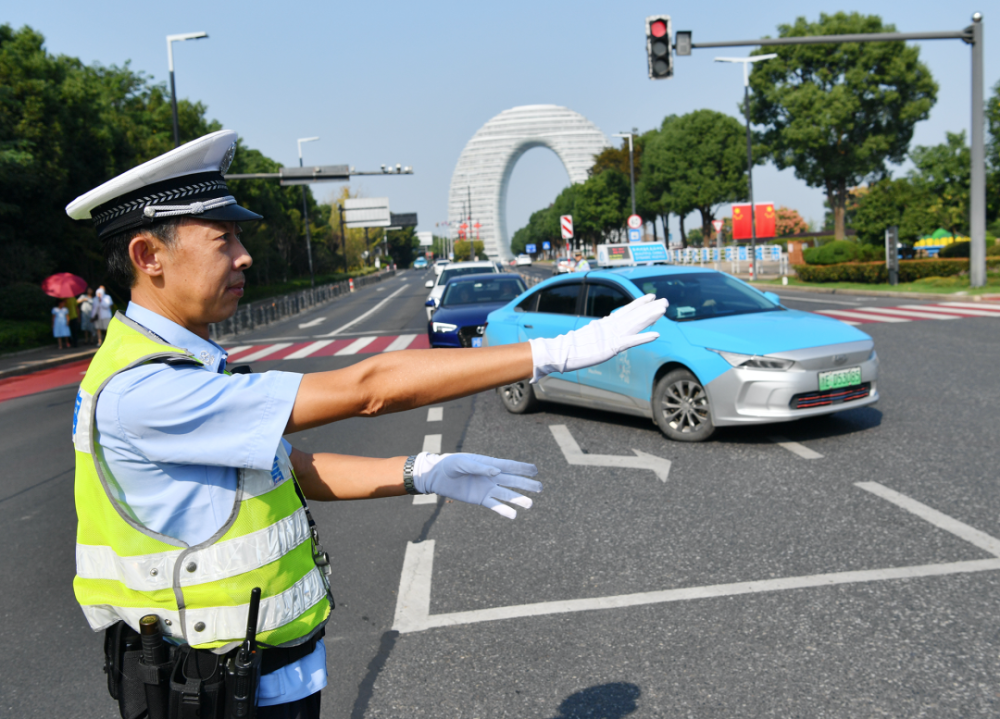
<point>174,438</point>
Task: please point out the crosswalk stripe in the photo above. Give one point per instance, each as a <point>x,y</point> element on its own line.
<point>236,350</point>
<point>863,316</point>
<point>400,343</point>
<point>356,346</point>
<point>896,312</point>
<point>960,311</point>
<point>974,305</point>
<point>309,349</point>
<point>260,354</point>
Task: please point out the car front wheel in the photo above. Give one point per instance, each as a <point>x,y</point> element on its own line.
<point>518,398</point>
<point>681,409</point>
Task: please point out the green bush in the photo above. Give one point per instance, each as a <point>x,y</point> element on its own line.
<point>956,249</point>
<point>875,272</point>
<point>993,250</point>
<point>837,251</point>
<point>21,335</point>
<point>25,301</point>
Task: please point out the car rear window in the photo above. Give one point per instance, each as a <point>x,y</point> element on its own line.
<point>603,300</point>
<point>459,271</point>
<point>703,295</point>
<point>471,292</point>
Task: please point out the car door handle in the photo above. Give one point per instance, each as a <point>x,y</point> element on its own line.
<point>529,327</point>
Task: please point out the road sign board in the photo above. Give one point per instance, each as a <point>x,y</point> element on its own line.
<point>566,225</point>
<point>634,235</point>
<point>426,238</point>
<point>634,222</point>
<point>530,249</point>
<point>717,224</point>
<point>546,245</point>
<point>367,212</point>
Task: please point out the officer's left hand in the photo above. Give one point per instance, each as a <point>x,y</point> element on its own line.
<point>476,479</point>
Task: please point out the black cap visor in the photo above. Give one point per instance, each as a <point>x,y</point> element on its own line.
<point>229,213</point>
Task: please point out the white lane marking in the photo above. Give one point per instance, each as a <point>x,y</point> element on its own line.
<point>940,520</point>
<point>432,443</point>
<point>364,315</point>
<point>233,350</point>
<point>425,499</point>
<point>822,302</point>
<point>309,349</point>
<point>400,343</point>
<point>795,447</point>
<point>312,323</point>
<point>961,311</point>
<point>574,455</point>
<point>260,354</point>
<point>435,414</point>
<point>413,602</point>
<point>908,313</point>
<point>854,315</point>
<point>356,346</point>
<point>974,305</point>
<point>380,289</point>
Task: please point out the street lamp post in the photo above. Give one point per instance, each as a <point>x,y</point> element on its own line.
<point>305,216</point>
<point>746,109</point>
<point>631,163</point>
<point>173,89</point>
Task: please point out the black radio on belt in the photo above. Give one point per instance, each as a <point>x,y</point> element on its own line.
<point>243,670</point>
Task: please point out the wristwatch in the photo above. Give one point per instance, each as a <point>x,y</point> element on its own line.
<point>408,475</point>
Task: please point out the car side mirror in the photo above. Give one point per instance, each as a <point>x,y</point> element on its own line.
<point>429,284</point>
<point>430,303</point>
<point>773,297</point>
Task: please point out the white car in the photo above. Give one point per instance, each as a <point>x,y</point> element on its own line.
<point>564,265</point>
<point>440,265</point>
<point>454,270</point>
<point>522,260</point>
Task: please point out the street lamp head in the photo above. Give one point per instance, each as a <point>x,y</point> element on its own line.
<point>186,36</point>
<point>977,17</point>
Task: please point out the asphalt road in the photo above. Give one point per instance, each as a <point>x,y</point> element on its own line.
<point>752,582</point>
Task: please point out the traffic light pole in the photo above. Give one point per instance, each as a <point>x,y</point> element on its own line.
<point>753,209</point>
<point>972,35</point>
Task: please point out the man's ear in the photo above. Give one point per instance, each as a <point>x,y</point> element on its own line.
<point>145,251</point>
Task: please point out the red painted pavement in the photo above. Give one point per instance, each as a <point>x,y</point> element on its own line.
<point>67,374</point>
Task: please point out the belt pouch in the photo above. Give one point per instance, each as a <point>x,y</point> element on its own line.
<point>123,665</point>
<point>197,685</point>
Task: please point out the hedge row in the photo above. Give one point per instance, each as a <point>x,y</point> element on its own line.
<point>875,272</point>
<point>20,335</point>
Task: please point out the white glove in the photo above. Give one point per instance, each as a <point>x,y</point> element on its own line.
<point>476,479</point>
<point>598,341</point>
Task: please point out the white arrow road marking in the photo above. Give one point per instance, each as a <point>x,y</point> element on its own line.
<point>370,312</point>
<point>312,323</point>
<point>414,598</point>
<point>574,455</point>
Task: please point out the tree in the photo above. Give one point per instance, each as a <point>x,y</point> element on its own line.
<point>404,245</point>
<point>838,113</point>
<point>943,172</point>
<point>893,202</point>
<point>697,162</point>
<point>993,155</point>
<point>789,222</point>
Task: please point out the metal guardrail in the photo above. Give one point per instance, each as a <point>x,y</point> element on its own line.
<point>264,312</point>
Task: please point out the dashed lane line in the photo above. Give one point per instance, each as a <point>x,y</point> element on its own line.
<point>432,444</point>
<point>795,448</point>
<point>435,414</point>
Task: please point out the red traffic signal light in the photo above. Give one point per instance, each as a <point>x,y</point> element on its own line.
<point>659,52</point>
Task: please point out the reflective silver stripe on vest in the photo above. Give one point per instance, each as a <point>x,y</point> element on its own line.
<point>149,572</point>
<point>221,623</point>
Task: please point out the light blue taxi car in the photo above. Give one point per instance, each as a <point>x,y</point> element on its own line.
<point>727,354</point>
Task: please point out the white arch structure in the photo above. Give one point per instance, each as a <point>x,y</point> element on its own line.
<point>485,165</point>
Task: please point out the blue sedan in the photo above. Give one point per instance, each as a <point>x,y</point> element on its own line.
<point>727,354</point>
<point>465,303</point>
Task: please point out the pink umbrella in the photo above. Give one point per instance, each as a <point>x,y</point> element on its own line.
<point>63,284</point>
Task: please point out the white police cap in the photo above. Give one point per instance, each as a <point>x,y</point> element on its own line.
<point>187,181</point>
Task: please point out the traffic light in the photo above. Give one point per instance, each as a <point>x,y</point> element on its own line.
<point>682,42</point>
<point>658,50</point>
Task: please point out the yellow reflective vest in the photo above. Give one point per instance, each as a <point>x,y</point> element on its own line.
<point>201,593</point>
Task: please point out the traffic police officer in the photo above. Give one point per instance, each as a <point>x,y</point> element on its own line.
<point>187,494</point>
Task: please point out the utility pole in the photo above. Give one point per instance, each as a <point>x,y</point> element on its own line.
<point>631,161</point>
<point>171,39</point>
<point>746,109</point>
<point>305,216</point>
<point>343,237</point>
<point>472,244</point>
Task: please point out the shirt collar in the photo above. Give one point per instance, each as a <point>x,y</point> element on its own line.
<point>209,353</point>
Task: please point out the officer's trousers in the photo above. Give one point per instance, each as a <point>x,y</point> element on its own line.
<point>307,708</point>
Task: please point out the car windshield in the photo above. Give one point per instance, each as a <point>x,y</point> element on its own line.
<point>472,292</point>
<point>458,271</point>
<point>703,295</point>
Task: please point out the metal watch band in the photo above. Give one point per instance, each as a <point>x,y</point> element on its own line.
<point>408,475</point>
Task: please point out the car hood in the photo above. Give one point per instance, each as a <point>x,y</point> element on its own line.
<point>467,314</point>
<point>769,332</point>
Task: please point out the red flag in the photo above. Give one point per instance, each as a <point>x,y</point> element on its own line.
<point>766,221</point>
<point>741,222</point>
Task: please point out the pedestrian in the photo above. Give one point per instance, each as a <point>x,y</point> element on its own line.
<point>101,312</point>
<point>60,324</point>
<point>73,313</point>
<point>188,496</point>
<point>86,304</point>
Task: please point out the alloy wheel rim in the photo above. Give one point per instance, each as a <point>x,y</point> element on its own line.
<point>514,392</point>
<point>685,406</point>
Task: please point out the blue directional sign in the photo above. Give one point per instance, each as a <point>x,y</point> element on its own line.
<point>546,245</point>
<point>530,249</point>
<point>634,235</point>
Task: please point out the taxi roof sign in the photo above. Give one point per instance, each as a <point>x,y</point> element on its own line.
<point>631,254</point>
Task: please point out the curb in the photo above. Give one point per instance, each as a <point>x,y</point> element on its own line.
<point>46,364</point>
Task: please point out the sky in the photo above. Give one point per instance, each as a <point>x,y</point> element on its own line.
<point>411,82</point>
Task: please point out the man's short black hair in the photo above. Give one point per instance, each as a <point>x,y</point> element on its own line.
<point>116,248</point>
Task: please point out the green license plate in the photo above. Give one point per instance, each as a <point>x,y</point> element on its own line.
<point>837,378</point>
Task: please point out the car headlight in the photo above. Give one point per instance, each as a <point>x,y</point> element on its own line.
<point>753,361</point>
<point>443,327</point>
